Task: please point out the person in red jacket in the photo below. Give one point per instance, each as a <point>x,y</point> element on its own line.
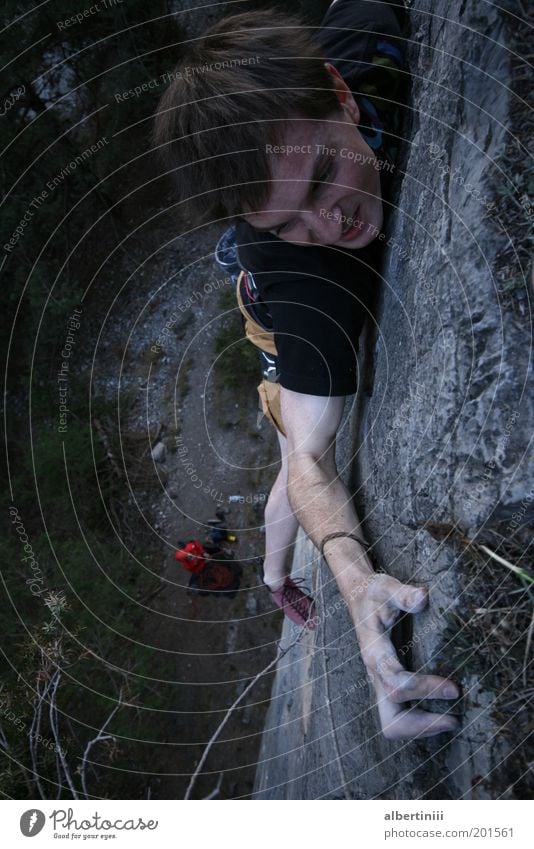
<point>192,556</point>
<point>213,572</point>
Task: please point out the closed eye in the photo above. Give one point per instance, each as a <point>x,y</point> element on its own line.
<point>283,228</point>
<point>325,177</point>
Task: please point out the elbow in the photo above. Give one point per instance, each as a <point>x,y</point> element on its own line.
<point>304,462</point>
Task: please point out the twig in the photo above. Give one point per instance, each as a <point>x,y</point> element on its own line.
<point>98,739</point>
<point>105,442</point>
<point>34,733</point>
<point>150,595</point>
<point>527,649</point>
<point>216,790</point>
<point>279,654</point>
<point>58,770</point>
<point>55,731</point>
<point>3,739</point>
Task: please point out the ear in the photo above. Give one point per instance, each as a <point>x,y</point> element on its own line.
<point>343,93</point>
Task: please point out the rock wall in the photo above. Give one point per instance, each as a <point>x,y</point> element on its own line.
<point>440,433</point>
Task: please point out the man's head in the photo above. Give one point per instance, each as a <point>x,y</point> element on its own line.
<point>256,124</point>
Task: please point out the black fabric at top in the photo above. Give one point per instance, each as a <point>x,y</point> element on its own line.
<point>320,296</point>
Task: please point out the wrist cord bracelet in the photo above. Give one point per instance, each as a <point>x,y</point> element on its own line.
<point>328,537</point>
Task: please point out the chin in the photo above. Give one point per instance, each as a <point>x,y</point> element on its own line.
<point>361,241</point>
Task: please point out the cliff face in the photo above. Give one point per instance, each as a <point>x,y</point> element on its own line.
<point>439,434</point>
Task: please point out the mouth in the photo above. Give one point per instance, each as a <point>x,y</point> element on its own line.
<point>351,229</point>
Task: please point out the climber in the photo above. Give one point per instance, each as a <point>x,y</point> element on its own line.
<point>191,555</point>
<point>221,534</point>
<point>220,577</point>
<point>295,142</point>
<point>214,571</point>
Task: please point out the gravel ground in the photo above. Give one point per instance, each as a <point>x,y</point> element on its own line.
<point>157,348</point>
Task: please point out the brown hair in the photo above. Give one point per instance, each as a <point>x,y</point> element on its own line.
<point>231,95</point>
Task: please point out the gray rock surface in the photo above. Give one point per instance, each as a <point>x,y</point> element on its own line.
<point>440,433</point>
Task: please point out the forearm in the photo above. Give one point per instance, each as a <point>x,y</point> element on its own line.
<point>323,506</point>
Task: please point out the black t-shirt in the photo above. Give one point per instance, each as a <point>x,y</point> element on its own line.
<point>319,296</point>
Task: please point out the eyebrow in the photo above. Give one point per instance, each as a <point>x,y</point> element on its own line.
<point>317,166</point>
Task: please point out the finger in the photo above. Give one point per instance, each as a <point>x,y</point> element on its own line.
<point>402,686</point>
<point>411,723</point>
<point>387,672</point>
<point>377,650</point>
<point>389,590</point>
<point>415,724</point>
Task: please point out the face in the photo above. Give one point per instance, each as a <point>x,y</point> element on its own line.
<point>325,182</point>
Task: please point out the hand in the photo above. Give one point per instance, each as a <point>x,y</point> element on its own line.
<point>374,613</point>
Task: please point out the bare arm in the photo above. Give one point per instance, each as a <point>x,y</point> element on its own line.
<point>322,506</point>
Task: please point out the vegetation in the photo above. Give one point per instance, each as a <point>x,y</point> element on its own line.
<point>514,184</point>
<point>489,637</point>
<point>77,567</point>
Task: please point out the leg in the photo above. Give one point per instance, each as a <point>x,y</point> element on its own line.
<point>280,526</point>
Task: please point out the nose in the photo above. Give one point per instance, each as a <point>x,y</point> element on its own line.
<point>325,225</point>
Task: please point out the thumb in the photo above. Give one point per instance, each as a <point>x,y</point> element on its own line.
<point>415,598</point>
<point>402,596</point>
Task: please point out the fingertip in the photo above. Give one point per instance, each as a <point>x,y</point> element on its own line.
<point>443,724</point>
<point>418,599</point>
<point>416,724</point>
<point>452,723</point>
